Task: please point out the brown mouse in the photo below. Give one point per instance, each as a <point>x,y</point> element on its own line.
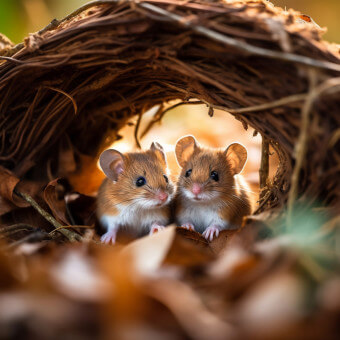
<point>210,196</point>
<point>136,193</point>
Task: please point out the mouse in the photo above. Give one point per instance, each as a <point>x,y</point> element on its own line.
<point>136,192</point>
<point>211,194</point>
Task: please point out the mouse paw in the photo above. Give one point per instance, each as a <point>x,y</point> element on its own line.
<point>155,228</point>
<point>188,226</point>
<point>109,237</point>
<point>211,232</point>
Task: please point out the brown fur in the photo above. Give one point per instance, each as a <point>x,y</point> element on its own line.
<point>149,164</point>
<point>230,189</point>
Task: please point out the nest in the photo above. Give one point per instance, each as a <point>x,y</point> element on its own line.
<point>65,94</point>
<point>69,88</point>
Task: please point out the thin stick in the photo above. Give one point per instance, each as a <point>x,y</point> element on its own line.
<point>75,107</point>
<point>301,146</point>
<point>266,106</point>
<point>264,167</point>
<point>15,227</point>
<point>330,86</point>
<point>36,236</point>
<point>137,129</point>
<point>71,235</point>
<point>66,227</point>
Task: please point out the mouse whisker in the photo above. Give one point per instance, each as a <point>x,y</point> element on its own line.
<point>243,189</point>
<point>124,201</point>
<point>229,194</point>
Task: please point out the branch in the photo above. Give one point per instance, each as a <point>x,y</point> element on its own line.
<point>301,146</point>
<point>264,167</point>
<point>137,129</point>
<point>166,15</point>
<point>71,235</point>
<point>329,86</point>
<point>17,227</point>
<point>34,237</point>
<point>75,107</point>
<point>241,45</point>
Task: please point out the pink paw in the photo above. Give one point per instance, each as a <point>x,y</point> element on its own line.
<point>155,228</point>
<point>109,237</point>
<point>211,232</point>
<point>188,226</point>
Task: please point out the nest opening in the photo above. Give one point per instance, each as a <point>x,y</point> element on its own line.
<point>214,128</point>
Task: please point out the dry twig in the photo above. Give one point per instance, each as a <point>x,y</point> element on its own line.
<point>71,235</point>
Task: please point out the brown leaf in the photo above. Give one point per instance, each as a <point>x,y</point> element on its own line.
<point>220,243</point>
<point>54,197</point>
<point>188,308</point>
<point>5,206</point>
<point>8,199</point>
<point>8,182</point>
<point>189,248</point>
<point>148,253</point>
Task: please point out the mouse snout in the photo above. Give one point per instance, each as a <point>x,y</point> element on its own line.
<point>162,196</point>
<point>196,189</point>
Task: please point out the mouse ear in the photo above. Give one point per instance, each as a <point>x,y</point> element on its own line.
<point>112,163</point>
<point>159,151</point>
<point>236,155</point>
<point>185,147</point>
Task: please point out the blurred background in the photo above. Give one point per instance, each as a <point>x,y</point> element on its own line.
<point>20,17</point>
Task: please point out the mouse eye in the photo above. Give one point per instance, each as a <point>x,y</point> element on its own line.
<point>188,173</point>
<point>214,176</point>
<point>140,181</point>
<point>166,178</point>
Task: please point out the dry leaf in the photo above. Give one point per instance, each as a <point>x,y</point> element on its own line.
<point>8,182</point>
<point>54,197</point>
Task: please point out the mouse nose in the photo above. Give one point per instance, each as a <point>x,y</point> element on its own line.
<point>162,196</point>
<point>196,189</point>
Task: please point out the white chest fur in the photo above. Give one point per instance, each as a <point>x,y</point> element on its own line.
<point>135,218</point>
<point>201,216</point>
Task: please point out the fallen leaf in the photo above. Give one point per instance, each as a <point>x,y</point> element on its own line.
<point>8,182</point>
<point>54,197</point>
<point>189,248</point>
<point>148,253</point>
<point>189,310</point>
<point>272,304</point>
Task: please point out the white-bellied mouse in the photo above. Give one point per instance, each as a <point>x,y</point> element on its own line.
<point>210,196</point>
<point>136,193</point>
